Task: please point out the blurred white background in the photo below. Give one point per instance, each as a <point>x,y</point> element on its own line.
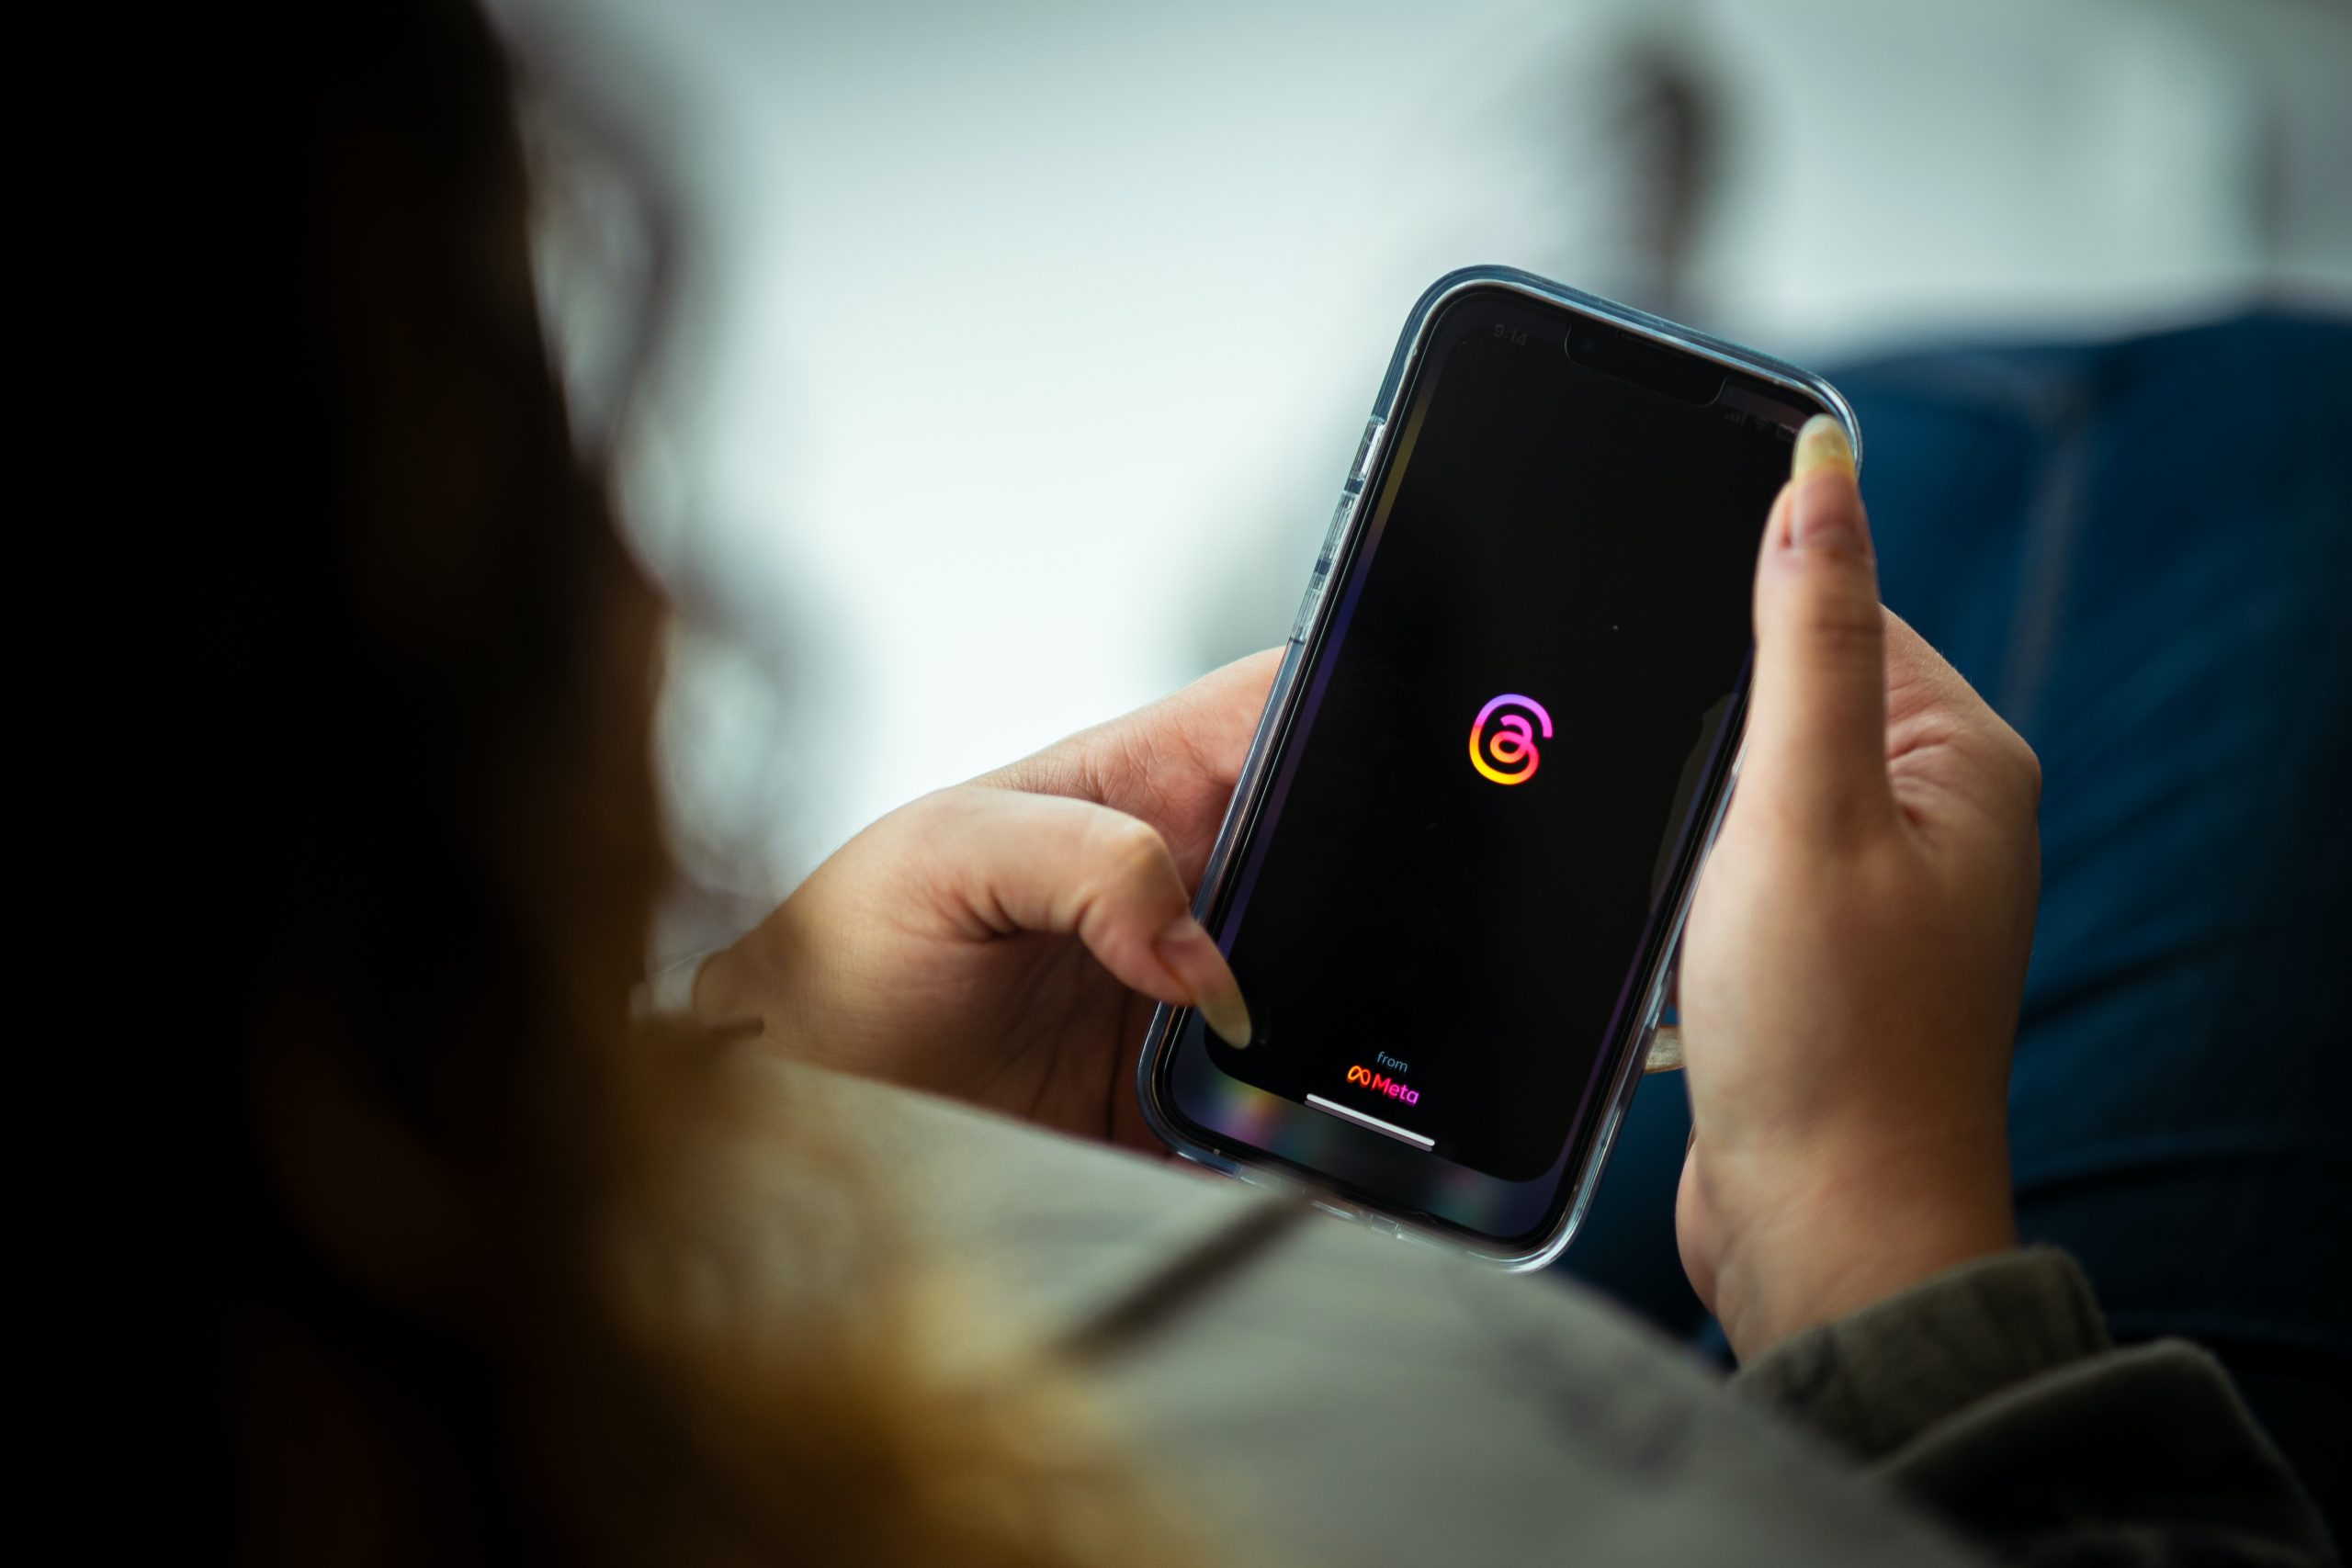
<point>1015,351</point>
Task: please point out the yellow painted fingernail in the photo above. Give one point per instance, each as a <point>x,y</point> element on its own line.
<point>1822,443</point>
<point>1187,948</point>
<point>1825,516</point>
<point>1224,1012</point>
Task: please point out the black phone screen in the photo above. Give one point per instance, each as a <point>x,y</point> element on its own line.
<point>1490,792</point>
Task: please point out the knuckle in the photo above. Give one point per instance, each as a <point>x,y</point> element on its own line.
<point>1131,854</point>
<point>2016,758</point>
<point>1844,626</point>
<point>2029,771</point>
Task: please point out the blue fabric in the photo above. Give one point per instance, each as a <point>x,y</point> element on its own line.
<point>2141,553</point>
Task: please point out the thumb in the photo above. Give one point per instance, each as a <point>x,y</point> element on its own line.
<point>1816,730</point>
<point>1011,862</point>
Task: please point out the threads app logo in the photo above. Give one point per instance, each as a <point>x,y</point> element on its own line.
<point>1509,756</point>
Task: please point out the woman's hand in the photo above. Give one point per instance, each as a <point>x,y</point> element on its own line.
<point>1850,974</point>
<point>1004,941</point>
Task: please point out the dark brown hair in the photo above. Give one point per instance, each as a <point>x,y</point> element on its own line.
<point>399,1263</point>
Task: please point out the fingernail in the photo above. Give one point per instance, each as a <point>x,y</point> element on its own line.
<point>1185,947</point>
<point>1824,516</point>
<point>1821,443</point>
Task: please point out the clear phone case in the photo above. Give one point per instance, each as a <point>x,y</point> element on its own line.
<point>1281,705</point>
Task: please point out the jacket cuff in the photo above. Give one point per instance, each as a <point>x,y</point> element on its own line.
<point>1874,1379</point>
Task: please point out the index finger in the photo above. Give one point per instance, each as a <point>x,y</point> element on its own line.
<point>1173,763</point>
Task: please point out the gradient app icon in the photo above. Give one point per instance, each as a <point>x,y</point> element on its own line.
<point>1508,755</point>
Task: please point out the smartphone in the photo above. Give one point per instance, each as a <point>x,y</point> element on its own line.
<point>1454,949</point>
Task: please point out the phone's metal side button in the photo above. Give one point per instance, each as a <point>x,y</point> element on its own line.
<point>1341,515</point>
<point>1367,454</point>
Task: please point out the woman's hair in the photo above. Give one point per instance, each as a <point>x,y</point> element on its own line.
<point>436,1261</point>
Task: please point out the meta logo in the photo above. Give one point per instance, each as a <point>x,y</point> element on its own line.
<point>1507,756</point>
<point>1381,1083</point>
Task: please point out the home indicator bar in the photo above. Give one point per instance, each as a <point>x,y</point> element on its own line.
<point>1374,1122</point>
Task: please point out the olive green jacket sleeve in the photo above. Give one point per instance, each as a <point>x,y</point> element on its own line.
<point>1994,1396</point>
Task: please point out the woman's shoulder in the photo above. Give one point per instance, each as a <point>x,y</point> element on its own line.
<point>1329,1393</point>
